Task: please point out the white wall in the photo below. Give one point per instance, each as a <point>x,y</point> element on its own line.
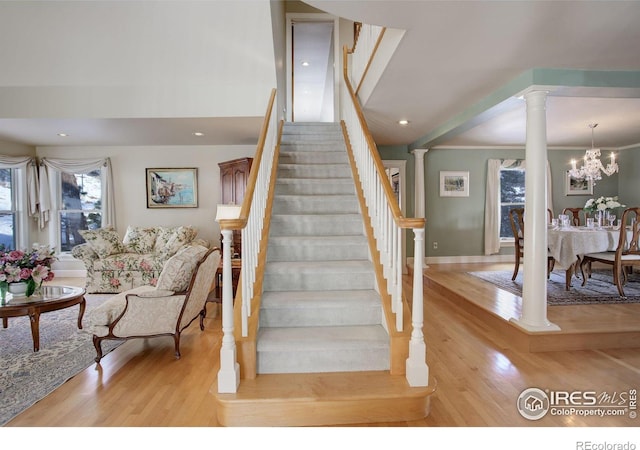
<point>173,58</point>
<point>129,164</point>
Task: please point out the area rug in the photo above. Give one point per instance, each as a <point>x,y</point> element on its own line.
<point>27,376</point>
<point>598,290</point>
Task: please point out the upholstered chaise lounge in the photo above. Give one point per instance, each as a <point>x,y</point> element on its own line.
<point>165,310</point>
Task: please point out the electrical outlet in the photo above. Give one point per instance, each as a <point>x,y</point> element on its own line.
<point>435,245</point>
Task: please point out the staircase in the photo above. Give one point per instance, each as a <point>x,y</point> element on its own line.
<point>319,311</point>
<point>323,353</point>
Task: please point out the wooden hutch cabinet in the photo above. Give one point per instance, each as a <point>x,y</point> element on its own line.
<point>234,176</point>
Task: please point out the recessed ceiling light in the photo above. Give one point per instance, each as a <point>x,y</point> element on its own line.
<point>305,63</point>
<point>198,133</point>
<point>63,134</point>
<point>403,122</point>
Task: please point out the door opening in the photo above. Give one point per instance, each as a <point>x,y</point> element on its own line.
<point>312,70</point>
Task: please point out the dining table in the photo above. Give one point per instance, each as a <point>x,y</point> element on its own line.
<point>567,245</point>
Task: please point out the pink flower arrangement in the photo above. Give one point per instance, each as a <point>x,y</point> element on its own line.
<point>32,267</point>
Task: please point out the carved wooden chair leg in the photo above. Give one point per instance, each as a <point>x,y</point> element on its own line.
<point>617,280</point>
<point>583,265</point>
<point>515,270</point>
<point>176,340</point>
<point>203,314</point>
<point>97,343</point>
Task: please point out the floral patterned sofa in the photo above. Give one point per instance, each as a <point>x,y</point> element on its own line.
<point>115,265</point>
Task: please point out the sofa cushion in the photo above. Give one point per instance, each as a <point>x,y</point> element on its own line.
<point>103,241</point>
<point>140,240</point>
<point>178,269</point>
<point>109,311</point>
<point>171,239</point>
<point>130,262</point>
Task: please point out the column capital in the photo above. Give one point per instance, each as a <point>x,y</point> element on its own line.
<point>419,152</point>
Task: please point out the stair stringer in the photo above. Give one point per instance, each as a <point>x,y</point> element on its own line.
<point>246,346</point>
<point>398,340</point>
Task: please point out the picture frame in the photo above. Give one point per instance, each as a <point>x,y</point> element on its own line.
<point>454,184</point>
<point>576,186</point>
<point>172,188</point>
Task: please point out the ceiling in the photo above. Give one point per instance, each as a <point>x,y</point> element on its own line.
<point>456,54</point>
<point>453,57</point>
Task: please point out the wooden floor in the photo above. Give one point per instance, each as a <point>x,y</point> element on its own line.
<point>582,327</point>
<point>479,372</point>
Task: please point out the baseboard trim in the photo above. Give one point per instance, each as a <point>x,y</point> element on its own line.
<point>463,259</point>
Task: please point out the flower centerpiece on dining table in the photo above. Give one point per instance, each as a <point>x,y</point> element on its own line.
<point>602,204</point>
<point>601,208</point>
<point>31,267</point>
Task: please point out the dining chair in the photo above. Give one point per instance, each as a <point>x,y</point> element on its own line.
<point>550,214</point>
<point>516,219</point>
<point>626,255</point>
<point>575,215</point>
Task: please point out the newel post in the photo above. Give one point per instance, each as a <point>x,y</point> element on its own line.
<point>416,367</point>
<point>229,373</point>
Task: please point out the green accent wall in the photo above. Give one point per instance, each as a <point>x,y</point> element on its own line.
<point>457,223</point>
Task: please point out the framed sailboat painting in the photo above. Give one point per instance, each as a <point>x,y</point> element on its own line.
<point>172,188</point>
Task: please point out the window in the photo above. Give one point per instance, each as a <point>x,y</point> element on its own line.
<point>80,206</point>
<point>7,209</point>
<point>511,196</point>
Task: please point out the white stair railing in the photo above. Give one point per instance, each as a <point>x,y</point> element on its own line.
<point>250,221</point>
<point>387,222</point>
<point>367,39</point>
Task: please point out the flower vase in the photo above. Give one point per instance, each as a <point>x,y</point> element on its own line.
<point>18,289</point>
<point>3,293</point>
<point>600,218</point>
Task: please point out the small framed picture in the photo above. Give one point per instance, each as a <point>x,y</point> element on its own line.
<point>172,188</point>
<point>578,186</point>
<point>454,184</point>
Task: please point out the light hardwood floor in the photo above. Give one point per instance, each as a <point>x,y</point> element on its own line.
<point>478,371</point>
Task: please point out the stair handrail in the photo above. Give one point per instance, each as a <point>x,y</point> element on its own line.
<point>387,222</point>
<point>250,221</point>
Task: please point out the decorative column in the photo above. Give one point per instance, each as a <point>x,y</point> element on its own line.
<point>418,154</point>
<point>534,289</point>
<point>418,212</point>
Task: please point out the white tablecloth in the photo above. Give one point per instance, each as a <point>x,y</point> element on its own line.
<point>567,244</point>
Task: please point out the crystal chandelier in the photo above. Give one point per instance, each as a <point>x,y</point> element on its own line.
<point>593,168</point>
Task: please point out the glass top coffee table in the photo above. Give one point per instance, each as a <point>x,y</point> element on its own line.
<point>50,298</point>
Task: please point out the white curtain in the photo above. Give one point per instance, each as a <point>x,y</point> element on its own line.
<point>27,163</point>
<point>492,200</point>
<point>77,166</point>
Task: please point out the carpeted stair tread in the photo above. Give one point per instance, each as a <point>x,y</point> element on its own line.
<point>322,338</point>
<point>320,308</point>
<point>317,157</point>
<point>324,299</point>
<point>318,267</point>
<point>321,204</point>
<point>314,171</point>
<point>314,248</point>
<point>314,186</point>
<point>316,224</point>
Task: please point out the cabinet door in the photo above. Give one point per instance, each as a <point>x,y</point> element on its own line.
<point>240,178</point>
<point>227,185</point>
